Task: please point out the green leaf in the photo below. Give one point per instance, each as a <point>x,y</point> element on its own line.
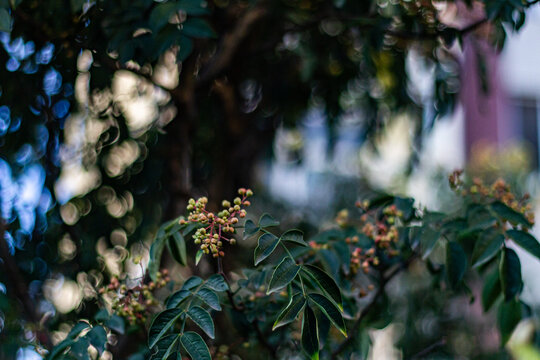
<point>192,7</point>
<point>98,338</point>
<point>177,248</point>
<point>508,317</point>
<point>185,48</point>
<point>160,15</point>
<point>491,290</point>
<point>80,349</point>
<point>198,257</point>
<point>267,243</point>
<point>116,323</point>
<point>155,255</point>
<point>175,299</point>
<point>331,311</point>
<point>294,236</point>
<point>5,20</point>
<point>195,346</point>
<point>197,28</point>
<point>487,246</point>
<point>283,274</point>
<point>325,282</point>
<point>310,334</point>
<point>60,348</point>
<point>216,282</point>
<point>526,241</point>
<point>192,282</point>
<point>250,229</point>
<point>292,310</point>
<point>161,324</point>
<point>267,220</point>
<point>210,298</point>
<point>510,274</point>
<point>507,213</point>
<point>428,240</point>
<point>77,329</point>
<point>203,320</point>
<point>456,263</point>
<point>165,347</point>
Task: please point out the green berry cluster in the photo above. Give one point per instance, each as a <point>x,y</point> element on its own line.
<point>217,228</point>
<point>133,303</point>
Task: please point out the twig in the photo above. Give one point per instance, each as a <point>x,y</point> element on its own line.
<point>429,349</point>
<point>18,284</point>
<point>255,324</point>
<point>380,291</point>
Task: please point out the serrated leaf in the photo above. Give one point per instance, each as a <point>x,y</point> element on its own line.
<point>267,220</point>
<point>161,324</point>
<point>510,274</point>
<point>266,245</point>
<point>185,48</point>
<point>250,229</point>
<point>290,313</point>
<point>210,298</point>
<point>203,320</point>
<point>175,299</point>
<point>507,213</point>
<point>98,338</point>
<point>508,316</point>
<point>198,256</point>
<point>197,28</point>
<point>283,274</point>
<point>330,310</point>
<point>491,290</point>
<point>192,283</point>
<point>177,248</point>
<point>488,245</point>
<point>216,282</point>
<point>526,241</point>
<point>294,236</point>
<point>195,346</point>
<point>310,334</point>
<point>325,282</point>
<point>456,263</point>
<point>165,347</point>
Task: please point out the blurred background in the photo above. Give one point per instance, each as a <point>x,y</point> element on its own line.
<point>105,134</point>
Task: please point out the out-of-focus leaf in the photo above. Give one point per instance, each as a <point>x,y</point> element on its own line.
<point>491,290</point>
<point>526,241</point>
<point>456,263</point>
<point>508,317</point>
<point>488,245</point>
<point>510,274</point>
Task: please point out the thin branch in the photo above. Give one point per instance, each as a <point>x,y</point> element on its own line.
<point>429,349</point>
<point>230,44</point>
<point>260,335</point>
<point>380,291</point>
<point>18,284</point>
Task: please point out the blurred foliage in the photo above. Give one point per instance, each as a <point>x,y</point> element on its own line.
<point>114,113</point>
